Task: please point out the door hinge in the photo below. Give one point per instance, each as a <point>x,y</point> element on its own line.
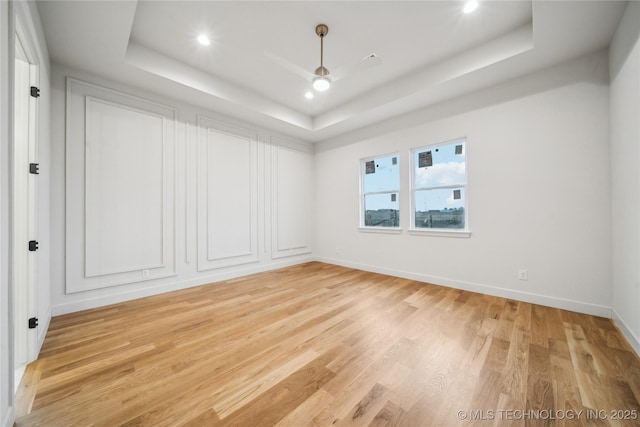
<point>35,92</point>
<point>33,245</point>
<point>33,323</point>
<point>34,168</point>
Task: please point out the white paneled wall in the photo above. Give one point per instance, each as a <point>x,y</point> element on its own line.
<point>292,195</point>
<point>120,188</point>
<point>227,195</point>
<point>124,189</point>
<point>161,196</point>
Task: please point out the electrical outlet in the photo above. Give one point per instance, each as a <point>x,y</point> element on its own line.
<point>145,273</point>
<point>523,275</point>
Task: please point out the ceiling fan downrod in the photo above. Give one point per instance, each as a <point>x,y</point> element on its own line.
<point>321,31</point>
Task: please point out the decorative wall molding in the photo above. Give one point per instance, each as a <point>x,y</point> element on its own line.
<point>216,193</point>
<point>120,187</point>
<point>292,186</point>
<point>106,201</point>
<point>227,195</point>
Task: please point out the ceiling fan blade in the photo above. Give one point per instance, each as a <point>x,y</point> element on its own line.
<point>368,61</point>
<point>294,68</point>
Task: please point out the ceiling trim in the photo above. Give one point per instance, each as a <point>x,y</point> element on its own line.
<point>417,85</point>
<point>420,84</point>
<point>153,62</point>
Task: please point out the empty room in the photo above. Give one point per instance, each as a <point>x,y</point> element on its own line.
<point>319,213</point>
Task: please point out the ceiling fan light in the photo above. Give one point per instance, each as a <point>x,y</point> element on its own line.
<point>470,6</point>
<point>321,84</point>
<point>203,39</point>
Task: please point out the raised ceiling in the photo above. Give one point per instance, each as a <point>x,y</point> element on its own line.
<point>430,51</point>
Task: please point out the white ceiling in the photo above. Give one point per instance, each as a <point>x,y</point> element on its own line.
<point>430,51</point>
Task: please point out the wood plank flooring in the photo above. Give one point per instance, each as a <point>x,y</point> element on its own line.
<point>321,345</point>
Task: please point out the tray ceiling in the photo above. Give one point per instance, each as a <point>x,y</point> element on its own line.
<point>430,51</point>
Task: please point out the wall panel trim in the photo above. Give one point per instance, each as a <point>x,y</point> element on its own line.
<point>223,239</point>
<point>291,206</point>
<point>82,100</point>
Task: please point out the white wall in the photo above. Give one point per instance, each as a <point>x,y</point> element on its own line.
<point>539,183</point>
<point>192,226</point>
<point>625,157</point>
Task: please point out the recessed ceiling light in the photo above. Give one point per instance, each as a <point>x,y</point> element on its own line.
<point>470,6</point>
<point>308,95</point>
<point>204,40</point>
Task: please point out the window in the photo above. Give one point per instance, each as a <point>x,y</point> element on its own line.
<point>439,187</point>
<point>380,204</point>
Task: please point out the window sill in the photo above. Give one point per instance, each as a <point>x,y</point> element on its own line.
<point>465,234</point>
<point>383,230</point>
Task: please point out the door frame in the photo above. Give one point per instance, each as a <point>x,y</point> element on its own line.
<point>24,190</point>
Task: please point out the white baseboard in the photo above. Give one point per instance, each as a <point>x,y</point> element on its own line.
<point>18,373</point>
<point>9,418</point>
<point>43,327</point>
<point>94,302</point>
<point>633,340</point>
<point>562,303</point>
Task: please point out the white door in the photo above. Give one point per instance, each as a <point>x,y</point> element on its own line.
<point>24,207</point>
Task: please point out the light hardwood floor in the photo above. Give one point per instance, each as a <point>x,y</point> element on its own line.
<point>317,344</point>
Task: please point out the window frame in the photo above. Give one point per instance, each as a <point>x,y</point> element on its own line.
<point>363,194</point>
<point>443,232</point>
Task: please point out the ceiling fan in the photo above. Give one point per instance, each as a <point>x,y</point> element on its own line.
<point>322,78</point>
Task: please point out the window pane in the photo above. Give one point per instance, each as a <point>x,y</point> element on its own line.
<point>439,208</point>
<point>382,174</point>
<point>443,165</point>
<point>381,210</point>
